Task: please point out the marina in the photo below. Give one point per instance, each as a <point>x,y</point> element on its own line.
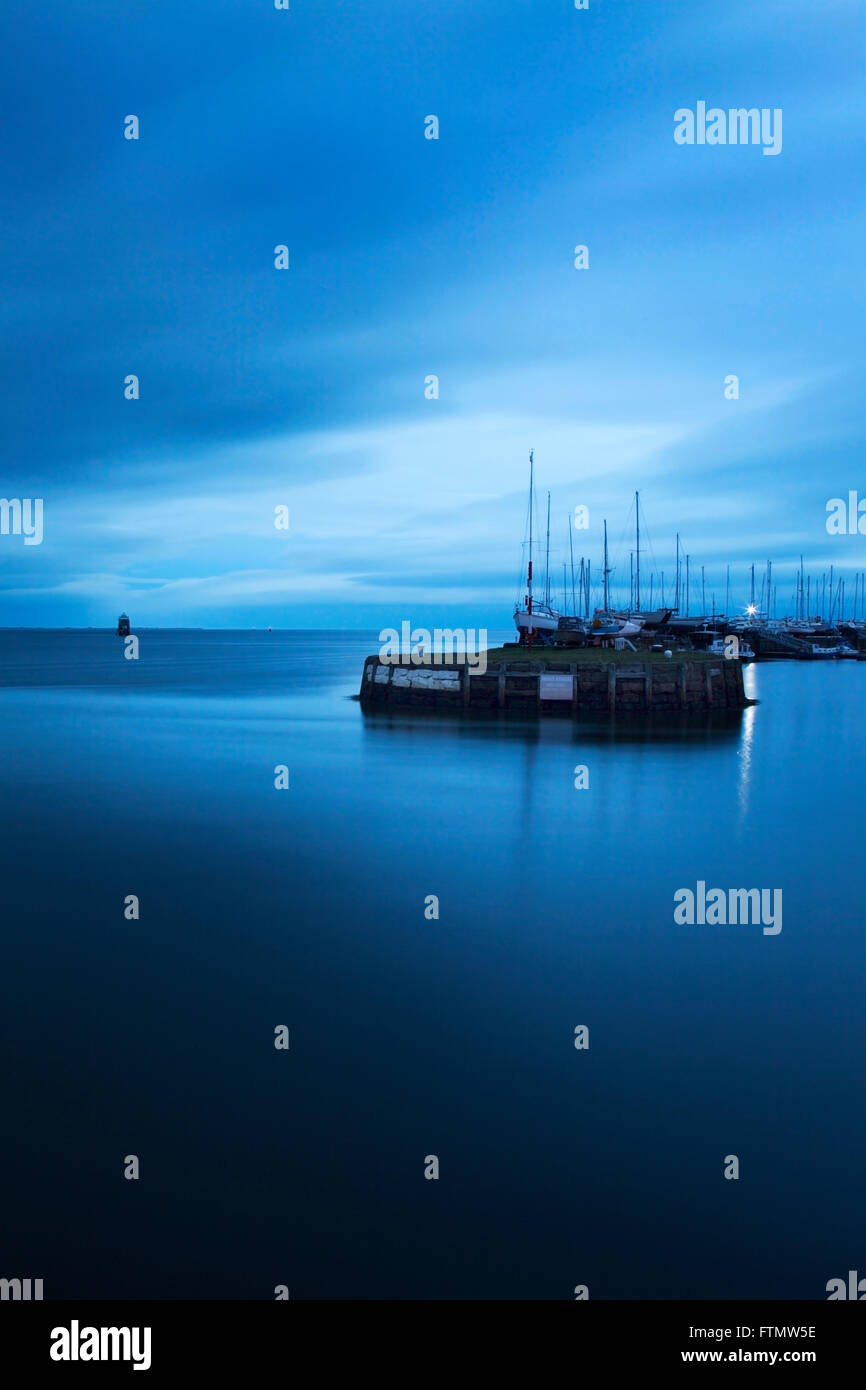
<point>626,659</point>
<point>820,627</point>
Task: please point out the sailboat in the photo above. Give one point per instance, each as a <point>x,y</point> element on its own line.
<point>536,619</point>
<point>637,617</point>
<point>604,622</point>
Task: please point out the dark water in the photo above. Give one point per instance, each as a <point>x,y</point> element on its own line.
<point>412,1037</point>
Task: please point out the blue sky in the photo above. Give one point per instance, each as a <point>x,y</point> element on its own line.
<point>411,257</point>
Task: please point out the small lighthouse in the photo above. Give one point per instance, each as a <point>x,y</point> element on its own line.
<point>123,626</point>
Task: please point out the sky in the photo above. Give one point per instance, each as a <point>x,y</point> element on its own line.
<point>411,257</point>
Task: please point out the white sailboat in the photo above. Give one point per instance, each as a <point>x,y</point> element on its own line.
<point>536,618</point>
<point>609,624</point>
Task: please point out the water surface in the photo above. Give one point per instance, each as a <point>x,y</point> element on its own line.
<point>412,1037</point>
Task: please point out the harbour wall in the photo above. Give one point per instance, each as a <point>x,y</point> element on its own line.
<point>557,687</point>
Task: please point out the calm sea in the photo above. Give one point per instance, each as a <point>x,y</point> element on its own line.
<point>412,1037</point>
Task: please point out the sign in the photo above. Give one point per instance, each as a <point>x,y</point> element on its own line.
<point>556,687</point>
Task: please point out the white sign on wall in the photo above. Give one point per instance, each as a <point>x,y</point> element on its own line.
<point>556,687</point>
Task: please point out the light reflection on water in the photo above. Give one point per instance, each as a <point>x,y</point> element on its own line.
<point>750,683</point>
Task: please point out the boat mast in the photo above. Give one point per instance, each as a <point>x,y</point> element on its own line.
<point>677,585</point>
<point>529,572</point>
<point>571,552</point>
<point>547,558</point>
<point>606,573</point>
<point>637,551</point>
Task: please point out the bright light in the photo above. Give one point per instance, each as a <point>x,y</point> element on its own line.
<point>751,610</point>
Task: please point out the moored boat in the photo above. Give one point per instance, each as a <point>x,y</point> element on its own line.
<point>719,647</point>
<point>537,619</point>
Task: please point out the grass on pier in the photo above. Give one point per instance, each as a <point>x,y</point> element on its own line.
<point>567,656</point>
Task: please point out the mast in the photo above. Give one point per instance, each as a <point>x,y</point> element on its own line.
<point>727,589</point>
<point>752,591</point>
<point>529,576</point>
<point>571,552</point>
<point>688,585</point>
<point>703,595</point>
<point>677,586</point>
<point>529,572</point>
<point>547,558</point>
<point>606,573</point>
<point>637,551</point>
<point>832,599</point>
<point>769,584</point>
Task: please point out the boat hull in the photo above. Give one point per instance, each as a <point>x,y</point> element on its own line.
<point>535,622</point>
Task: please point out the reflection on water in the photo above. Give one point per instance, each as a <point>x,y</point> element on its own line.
<point>745,756</point>
<point>701,726</point>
